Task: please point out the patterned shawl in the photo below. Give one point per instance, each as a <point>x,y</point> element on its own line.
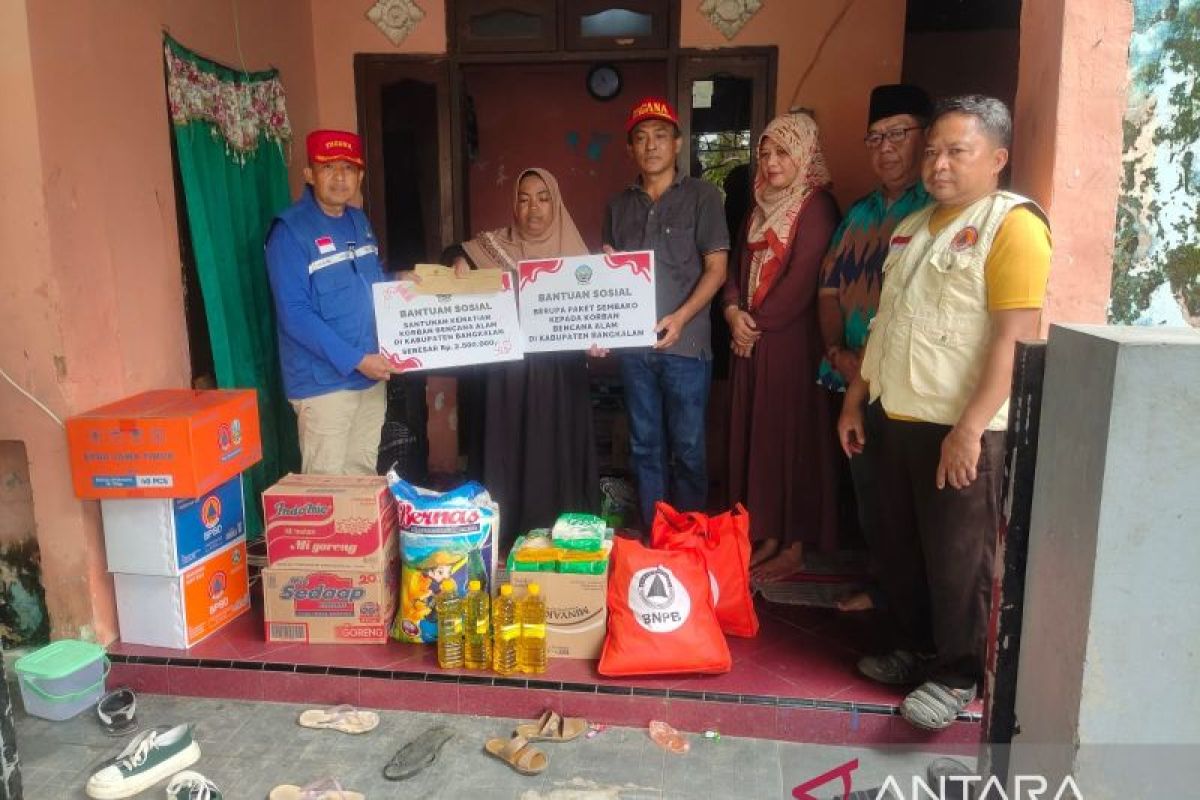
<point>504,247</point>
<point>772,224</point>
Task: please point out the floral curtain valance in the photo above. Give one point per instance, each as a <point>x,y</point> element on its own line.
<point>242,106</point>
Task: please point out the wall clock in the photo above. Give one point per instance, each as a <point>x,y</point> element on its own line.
<point>604,82</point>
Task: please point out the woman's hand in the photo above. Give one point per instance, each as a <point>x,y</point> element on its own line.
<point>743,327</point>
<point>461,267</point>
<point>741,351</point>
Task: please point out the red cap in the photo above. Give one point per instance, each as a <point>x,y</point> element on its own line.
<point>651,108</point>
<point>325,146</point>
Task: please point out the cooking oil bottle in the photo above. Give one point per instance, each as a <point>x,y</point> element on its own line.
<point>531,649</point>
<point>506,630</point>
<point>478,651</point>
<point>450,626</point>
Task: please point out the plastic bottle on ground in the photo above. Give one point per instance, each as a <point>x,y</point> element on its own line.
<point>506,630</point>
<point>450,626</point>
<point>668,738</point>
<point>531,651</point>
<point>478,621</point>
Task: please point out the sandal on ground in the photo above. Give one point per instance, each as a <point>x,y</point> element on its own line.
<point>117,711</point>
<point>934,706</point>
<point>518,753</point>
<point>346,719</point>
<point>418,754</point>
<point>897,668</point>
<point>323,789</point>
<point>551,727</point>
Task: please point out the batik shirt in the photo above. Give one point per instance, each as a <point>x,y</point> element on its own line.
<point>853,267</point>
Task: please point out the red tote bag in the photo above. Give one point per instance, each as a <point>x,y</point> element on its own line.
<point>660,614</point>
<point>724,543</point>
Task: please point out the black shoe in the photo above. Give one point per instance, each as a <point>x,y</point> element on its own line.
<point>117,711</point>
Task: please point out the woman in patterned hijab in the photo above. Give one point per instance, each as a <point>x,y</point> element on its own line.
<point>782,452</point>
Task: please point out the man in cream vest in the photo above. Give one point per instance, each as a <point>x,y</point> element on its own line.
<point>963,281</point>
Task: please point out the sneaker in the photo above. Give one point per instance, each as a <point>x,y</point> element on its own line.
<point>145,761</point>
<point>190,785</point>
<point>897,668</point>
<point>116,711</point>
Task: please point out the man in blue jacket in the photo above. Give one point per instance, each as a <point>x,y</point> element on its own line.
<point>322,260</point>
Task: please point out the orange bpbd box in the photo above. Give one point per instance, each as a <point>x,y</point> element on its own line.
<point>164,443</point>
<point>344,522</point>
<point>178,611</point>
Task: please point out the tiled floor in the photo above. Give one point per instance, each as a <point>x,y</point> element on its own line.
<point>247,748</point>
<point>795,681</point>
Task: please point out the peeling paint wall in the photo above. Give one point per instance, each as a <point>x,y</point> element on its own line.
<point>23,617</point>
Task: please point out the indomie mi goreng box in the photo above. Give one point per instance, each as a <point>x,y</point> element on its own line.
<point>164,443</point>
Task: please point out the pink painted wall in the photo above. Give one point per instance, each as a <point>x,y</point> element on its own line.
<point>1068,138</point>
<point>863,50</point>
<point>341,29</point>
<point>96,307</point>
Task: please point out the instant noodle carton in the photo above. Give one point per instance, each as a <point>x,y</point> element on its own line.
<point>330,521</point>
<point>163,443</point>
<point>178,611</point>
<point>329,606</point>
<point>165,537</point>
<point>443,536</point>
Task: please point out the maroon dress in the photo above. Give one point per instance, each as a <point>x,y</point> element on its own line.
<point>782,444</point>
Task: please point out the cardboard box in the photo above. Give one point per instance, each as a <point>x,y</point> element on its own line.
<point>338,522</point>
<point>163,443</point>
<point>576,611</point>
<point>181,610</point>
<point>326,606</point>
<point>165,537</point>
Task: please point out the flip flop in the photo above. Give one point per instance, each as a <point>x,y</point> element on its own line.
<point>550,727</point>
<point>418,754</point>
<point>323,789</point>
<point>518,753</point>
<point>346,719</point>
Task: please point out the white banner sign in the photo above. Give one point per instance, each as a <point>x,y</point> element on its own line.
<point>576,302</point>
<point>424,331</point>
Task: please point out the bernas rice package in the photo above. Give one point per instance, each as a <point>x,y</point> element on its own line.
<point>443,536</point>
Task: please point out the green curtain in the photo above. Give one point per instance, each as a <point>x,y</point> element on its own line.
<point>230,128</point>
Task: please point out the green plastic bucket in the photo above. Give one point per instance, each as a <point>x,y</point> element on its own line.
<point>62,678</point>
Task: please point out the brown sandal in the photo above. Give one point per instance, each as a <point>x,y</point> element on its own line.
<point>519,754</point>
<point>551,727</point>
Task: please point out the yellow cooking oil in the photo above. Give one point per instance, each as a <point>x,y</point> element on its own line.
<point>478,621</point>
<point>531,646</point>
<point>506,630</point>
<point>450,626</point>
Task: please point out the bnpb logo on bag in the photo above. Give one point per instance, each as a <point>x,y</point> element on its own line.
<point>658,600</point>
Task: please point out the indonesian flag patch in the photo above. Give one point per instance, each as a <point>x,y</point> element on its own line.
<point>325,245</point>
<point>899,242</point>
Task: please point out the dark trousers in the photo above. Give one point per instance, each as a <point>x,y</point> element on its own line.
<point>937,547</point>
<point>666,397</point>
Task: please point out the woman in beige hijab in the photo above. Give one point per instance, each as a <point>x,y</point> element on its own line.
<point>782,457</point>
<point>539,455</point>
